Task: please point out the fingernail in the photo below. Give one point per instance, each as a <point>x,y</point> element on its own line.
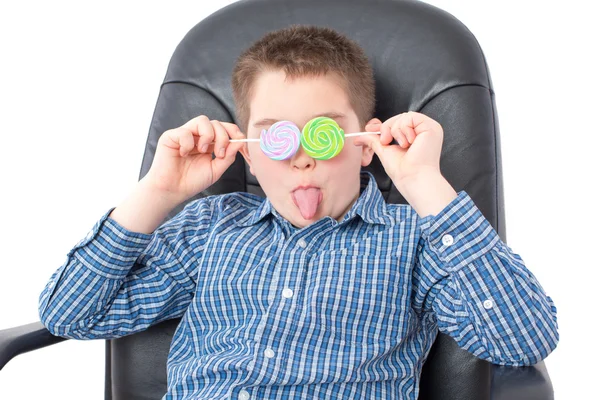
<point>204,148</point>
<point>222,153</point>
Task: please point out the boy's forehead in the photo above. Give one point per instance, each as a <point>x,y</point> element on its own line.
<point>265,122</point>
<point>278,98</point>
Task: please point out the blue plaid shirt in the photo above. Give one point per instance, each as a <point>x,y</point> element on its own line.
<point>333,310</point>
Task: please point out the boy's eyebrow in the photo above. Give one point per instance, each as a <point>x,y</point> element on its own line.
<point>271,121</point>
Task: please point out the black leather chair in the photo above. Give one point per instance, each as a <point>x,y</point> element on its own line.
<point>424,60</point>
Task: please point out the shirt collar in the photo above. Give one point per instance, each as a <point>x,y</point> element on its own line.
<point>262,211</point>
<point>370,205</point>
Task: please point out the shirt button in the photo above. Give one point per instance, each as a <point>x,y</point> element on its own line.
<point>447,240</point>
<point>302,243</point>
<point>269,353</point>
<point>288,293</point>
<point>244,395</point>
<point>488,304</point>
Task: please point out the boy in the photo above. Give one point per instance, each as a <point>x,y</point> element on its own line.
<point>321,290</point>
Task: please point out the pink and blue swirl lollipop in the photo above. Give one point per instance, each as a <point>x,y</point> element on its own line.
<point>281,141</point>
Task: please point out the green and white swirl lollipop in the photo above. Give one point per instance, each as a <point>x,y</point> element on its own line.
<point>322,138</point>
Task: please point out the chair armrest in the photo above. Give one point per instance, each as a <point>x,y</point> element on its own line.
<point>521,383</point>
<point>24,338</point>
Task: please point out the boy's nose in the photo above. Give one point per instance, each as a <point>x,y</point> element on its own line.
<point>301,160</point>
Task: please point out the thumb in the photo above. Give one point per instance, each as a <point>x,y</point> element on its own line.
<point>370,141</point>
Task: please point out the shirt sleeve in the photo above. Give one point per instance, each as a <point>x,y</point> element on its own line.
<point>471,284</point>
<point>116,282</point>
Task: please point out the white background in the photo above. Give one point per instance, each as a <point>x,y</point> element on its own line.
<point>79,85</point>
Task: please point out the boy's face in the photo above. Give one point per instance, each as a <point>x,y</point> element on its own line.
<point>302,189</point>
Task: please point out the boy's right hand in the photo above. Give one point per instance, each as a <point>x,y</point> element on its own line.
<point>183,164</point>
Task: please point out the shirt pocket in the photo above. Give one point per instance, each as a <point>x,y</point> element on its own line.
<point>360,299</point>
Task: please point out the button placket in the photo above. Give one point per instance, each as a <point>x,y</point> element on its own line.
<point>289,253</point>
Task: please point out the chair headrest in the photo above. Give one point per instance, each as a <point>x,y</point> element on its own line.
<point>424,60</point>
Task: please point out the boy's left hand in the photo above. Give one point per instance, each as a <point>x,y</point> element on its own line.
<point>420,145</point>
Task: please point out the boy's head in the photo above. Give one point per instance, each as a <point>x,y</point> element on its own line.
<point>296,74</point>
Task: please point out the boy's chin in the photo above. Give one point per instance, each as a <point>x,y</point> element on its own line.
<point>300,222</point>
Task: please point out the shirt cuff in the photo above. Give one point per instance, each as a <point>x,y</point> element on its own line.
<point>109,249</point>
<point>459,234</point>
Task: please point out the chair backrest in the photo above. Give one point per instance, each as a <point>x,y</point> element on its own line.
<point>424,60</point>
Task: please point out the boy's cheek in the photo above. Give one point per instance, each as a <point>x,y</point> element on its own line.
<point>349,152</point>
<point>258,156</point>
<point>263,164</point>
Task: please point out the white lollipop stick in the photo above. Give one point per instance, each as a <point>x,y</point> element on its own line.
<point>240,140</point>
<point>362,133</point>
<point>347,135</point>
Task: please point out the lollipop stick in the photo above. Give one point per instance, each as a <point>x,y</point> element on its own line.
<point>362,133</point>
<point>241,140</point>
<point>347,135</point>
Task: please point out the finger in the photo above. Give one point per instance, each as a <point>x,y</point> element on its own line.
<point>220,165</point>
<point>180,139</point>
<point>233,130</point>
<point>386,134</point>
<point>186,140</point>
<point>373,128</point>
<point>409,133</point>
<point>408,128</point>
<point>417,121</point>
<point>371,141</point>
<point>206,132</point>
<point>360,140</point>
<point>397,133</point>
<point>221,138</point>
<point>193,123</point>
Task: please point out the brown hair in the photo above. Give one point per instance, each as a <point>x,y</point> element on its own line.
<point>302,50</point>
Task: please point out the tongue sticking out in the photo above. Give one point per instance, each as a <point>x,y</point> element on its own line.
<point>307,201</point>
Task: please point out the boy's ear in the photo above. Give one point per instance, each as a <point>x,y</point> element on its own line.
<point>246,155</point>
<point>367,155</point>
